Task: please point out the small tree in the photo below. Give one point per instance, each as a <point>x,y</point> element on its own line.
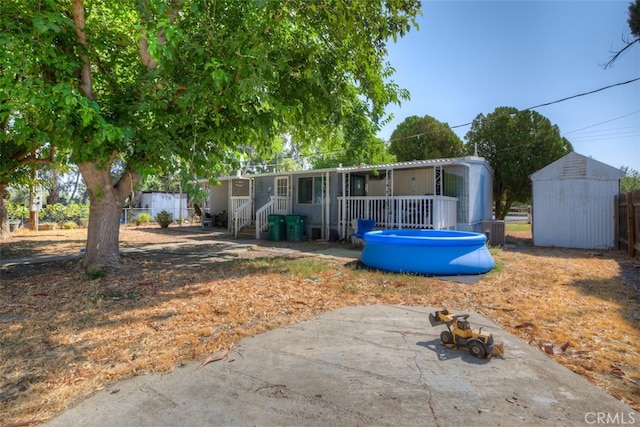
<point>419,138</point>
<point>516,144</point>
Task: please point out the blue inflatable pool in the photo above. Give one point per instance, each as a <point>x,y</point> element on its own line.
<point>431,252</point>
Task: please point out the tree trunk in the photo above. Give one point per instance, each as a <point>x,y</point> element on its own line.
<point>497,205</point>
<point>506,208</point>
<point>106,202</point>
<point>52,198</point>
<point>5,232</point>
<point>75,187</point>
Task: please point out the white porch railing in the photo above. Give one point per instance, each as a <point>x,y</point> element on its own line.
<point>242,212</point>
<point>435,212</point>
<point>281,205</point>
<point>262,216</point>
<point>278,205</point>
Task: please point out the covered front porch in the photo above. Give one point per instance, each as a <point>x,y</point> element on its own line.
<point>409,195</point>
<point>398,212</point>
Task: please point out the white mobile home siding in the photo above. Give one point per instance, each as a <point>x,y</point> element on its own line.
<point>480,198</point>
<point>573,203</point>
<point>218,198</point>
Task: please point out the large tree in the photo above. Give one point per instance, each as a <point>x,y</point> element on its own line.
<point>418,138</point>
<point>152,85</point>
<point>516,144</point>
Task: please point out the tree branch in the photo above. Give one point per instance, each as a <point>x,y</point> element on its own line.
<point>620,52</point>
<point>143,43</point>
<point>79,19</point>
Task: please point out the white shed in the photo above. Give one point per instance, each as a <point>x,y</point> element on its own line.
<point>573,203</point>
<point>157,201</point>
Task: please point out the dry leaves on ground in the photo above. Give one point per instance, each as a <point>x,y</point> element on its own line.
<point>65,336</point>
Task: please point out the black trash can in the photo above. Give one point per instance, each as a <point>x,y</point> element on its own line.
<point>277,227</point>
<point>295,227</point>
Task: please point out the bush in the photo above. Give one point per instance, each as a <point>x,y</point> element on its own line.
<point>54,213</point>
<point>164,218</point>
<point>69,225</point>
<point>76,212</point>
<point>143,219</point>
<point>16,211</point>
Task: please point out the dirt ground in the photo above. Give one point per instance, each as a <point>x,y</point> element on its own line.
<point>64,334</point>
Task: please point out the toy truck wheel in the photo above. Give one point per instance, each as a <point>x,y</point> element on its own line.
<point>476,348</point>
<point>446,337</point>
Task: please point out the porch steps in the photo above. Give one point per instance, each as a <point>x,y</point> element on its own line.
<point>248,232</point>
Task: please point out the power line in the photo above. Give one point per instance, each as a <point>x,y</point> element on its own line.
<point>584,94</point>
<point>602,123</point>
<point>536,106</point>
<point>584,137</point>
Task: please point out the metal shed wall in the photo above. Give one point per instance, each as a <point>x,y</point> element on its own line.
<point>573,203</point>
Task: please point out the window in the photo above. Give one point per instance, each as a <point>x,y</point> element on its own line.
<point>310,190</point>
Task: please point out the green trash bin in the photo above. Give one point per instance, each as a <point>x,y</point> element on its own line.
<point>295,227</point>
<point>276,227</point>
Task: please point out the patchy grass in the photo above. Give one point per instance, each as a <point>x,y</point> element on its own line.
<point>518,227</point>
<point>64,335</point>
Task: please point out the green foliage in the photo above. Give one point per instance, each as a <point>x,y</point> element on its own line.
<point>186,86</point>
<point>16,211</point>
<point>634,18</point>
<point>59,213</point>
<point>630,181</point>
<point>76,212</point>
<point>95,273</point>
<point>164,218</point>
<point>516,144</point>
<point>69,225</point>
<point>33,115</point>
<point>143,219</point>
<point>372,152</point>
<point>224,75</point>
<point>56,213</point>
<point>423,138</point>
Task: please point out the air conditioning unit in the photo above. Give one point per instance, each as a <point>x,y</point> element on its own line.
<point>495,232</point>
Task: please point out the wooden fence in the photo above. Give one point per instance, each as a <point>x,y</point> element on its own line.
<point>627,230</point>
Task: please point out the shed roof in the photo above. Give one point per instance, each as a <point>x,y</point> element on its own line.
<point>577,166</point>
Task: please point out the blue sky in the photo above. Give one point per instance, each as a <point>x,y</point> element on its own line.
<point>470,57</point>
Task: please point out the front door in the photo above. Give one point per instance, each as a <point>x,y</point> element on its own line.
<point>282,195</point>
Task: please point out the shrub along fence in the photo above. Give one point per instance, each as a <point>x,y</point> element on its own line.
<point>627,232</point>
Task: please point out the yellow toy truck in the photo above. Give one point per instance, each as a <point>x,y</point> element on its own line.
<point>459,333</point>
